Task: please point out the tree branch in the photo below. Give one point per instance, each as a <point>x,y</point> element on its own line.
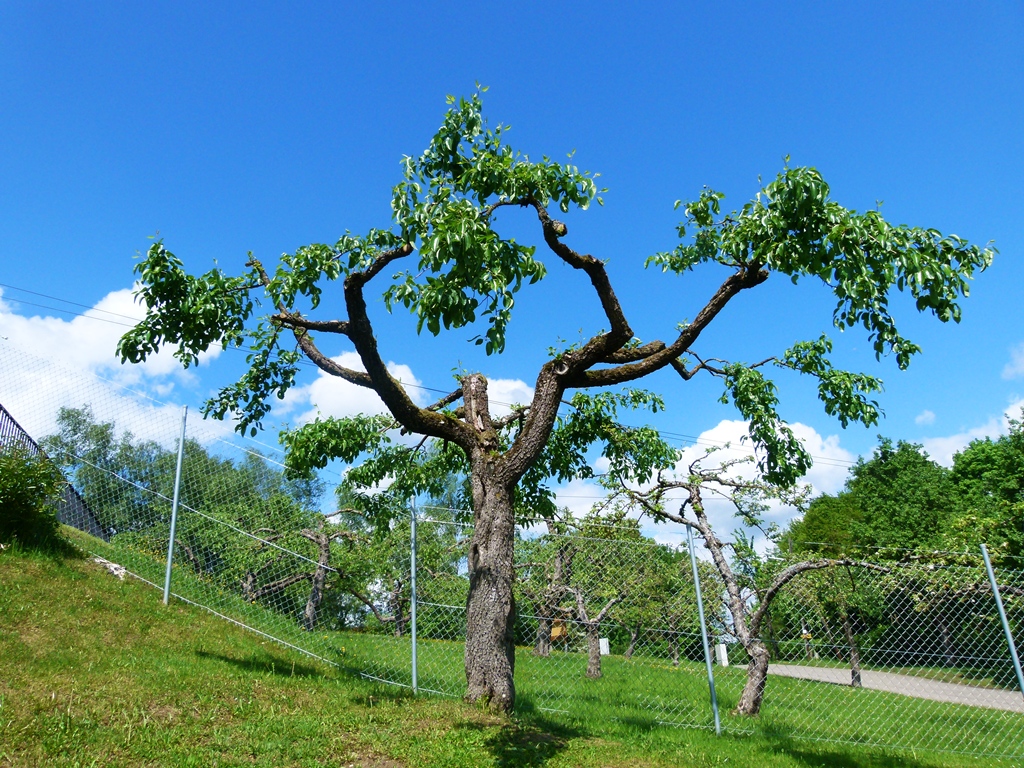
<point>390,390</point>
<point>745,277</point>
<point>279,585</point>
<point>790,573</point>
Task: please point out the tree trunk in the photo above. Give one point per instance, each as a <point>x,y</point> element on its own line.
<point>773,640</point>
<point>673,643</point>
<point>593,651</point>
<point>946,640</point>
<point>396,608</point>
<point>316,593</point>
<point>757,677</point>
<point>854,652</point>
<point>634,633</point>
<point>490,606</point>
<point>543,644</point>
<point>560,575</point>
<point>249,587</point>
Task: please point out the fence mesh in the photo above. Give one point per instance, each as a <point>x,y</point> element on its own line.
<point>911,652</point>
<point>897,651</point>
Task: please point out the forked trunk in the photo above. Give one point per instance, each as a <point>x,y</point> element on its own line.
<point>593,651</point>
<point>490,608</point>
<point>757,677</point>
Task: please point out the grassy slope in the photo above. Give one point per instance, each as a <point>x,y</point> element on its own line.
<point>94,671</point>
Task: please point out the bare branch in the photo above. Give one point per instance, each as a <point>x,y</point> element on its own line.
<point>390,390</point>
<point>790,573</point>
<point>743,278</point>
<point>517,414</point>
<point>280,584</point>
<point>295,320</point>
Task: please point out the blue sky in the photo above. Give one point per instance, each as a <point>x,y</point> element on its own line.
<point>230,127</point>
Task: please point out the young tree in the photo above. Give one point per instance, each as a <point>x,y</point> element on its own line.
<point>462,269</point>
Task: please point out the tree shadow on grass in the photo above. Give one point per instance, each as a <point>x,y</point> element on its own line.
<point>267,664</point>
<point>525,744</point>
<point>841,756</point>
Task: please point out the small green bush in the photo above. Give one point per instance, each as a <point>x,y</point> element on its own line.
<point>30,486</point>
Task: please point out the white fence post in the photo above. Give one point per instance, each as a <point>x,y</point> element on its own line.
<point>412,586</point>
<point>174,505</point>
<point>703,631</point>
<point>1002,618</point>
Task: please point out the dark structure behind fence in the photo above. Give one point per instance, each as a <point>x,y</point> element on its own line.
<point>71,509</point>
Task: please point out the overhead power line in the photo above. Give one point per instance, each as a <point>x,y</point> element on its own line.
<point>673,437</point>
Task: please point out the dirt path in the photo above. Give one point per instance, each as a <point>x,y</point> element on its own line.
<point>908,685</point>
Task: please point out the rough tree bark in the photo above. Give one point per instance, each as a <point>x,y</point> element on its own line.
<point>490,606</point>
<point>319,579</point>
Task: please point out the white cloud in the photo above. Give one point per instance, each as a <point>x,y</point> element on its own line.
<point>89,341</point>
<point>501,393</point>
<point>924,418</point>
<point>730,442</point>
<point>33,389</point>
<point>328,395</point>
<point>47,363</point>
<point>1015,368</point>
<point>579,496</point>
<point>832,462</point>
<point>941,449</point>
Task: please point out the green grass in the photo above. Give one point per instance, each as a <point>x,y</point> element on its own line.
<point>95,671</point>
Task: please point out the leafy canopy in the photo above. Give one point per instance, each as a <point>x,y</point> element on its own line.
<point>454,270</point>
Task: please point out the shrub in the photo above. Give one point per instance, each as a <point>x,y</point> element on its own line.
<point>30,486</point>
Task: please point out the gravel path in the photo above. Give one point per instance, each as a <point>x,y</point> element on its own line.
<point>908,685</point>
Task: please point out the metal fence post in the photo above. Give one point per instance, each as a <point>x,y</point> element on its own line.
<point>1002,618</point>
<point>703,631</point>
<point>174,505</point>
<point>412,585</point>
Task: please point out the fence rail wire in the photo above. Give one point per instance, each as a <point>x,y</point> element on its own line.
<point>909,655</point>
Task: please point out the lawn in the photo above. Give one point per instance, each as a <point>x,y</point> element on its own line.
<point>96,671</point>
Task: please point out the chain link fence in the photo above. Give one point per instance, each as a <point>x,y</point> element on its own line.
<point>909,653</point>
<point>912,652</point>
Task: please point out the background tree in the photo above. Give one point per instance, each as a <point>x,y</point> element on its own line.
<point>905,499</point>
<point>444,210</point>
<point>749,590</point>
<point>988,478</point>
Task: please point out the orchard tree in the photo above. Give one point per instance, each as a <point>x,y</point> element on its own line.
<point>678,496</point>
<point>444,260</point>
